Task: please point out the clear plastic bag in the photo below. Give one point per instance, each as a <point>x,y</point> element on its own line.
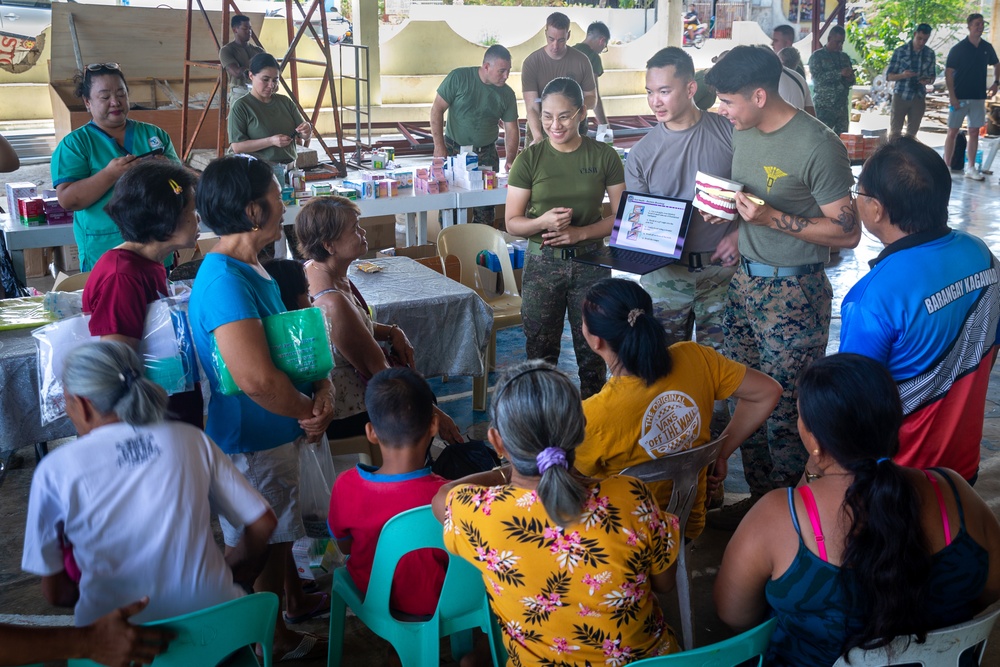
<point>24,313</point>
<point>316,476</point>
<point>299,344</point>
<point>55,342</point>
<point>167,347</point>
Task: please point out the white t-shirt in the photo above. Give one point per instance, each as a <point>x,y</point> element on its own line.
<point>794,89</point>
<point>135,503</point>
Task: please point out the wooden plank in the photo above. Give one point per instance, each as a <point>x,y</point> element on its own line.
<point>147,42</point>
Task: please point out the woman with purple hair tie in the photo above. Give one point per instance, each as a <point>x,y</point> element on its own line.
<point>570,563</point>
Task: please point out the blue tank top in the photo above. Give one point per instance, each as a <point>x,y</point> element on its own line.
<point>814,612</point>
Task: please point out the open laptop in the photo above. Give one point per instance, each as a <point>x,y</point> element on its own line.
<point>649,234</point>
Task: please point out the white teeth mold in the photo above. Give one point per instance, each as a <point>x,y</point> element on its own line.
<point>715,196</point>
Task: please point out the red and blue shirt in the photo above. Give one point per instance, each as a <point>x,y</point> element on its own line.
<point>929,311</point>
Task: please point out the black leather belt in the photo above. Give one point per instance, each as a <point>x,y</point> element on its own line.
<point>696,261</point>
<point>568,252</point>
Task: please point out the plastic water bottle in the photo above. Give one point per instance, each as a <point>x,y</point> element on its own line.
<point>979,159</point>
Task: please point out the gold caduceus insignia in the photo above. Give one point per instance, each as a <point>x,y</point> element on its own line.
<point>773,174</point>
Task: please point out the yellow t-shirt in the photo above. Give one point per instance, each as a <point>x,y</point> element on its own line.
<point>628,422</point>
<point>579,595</point>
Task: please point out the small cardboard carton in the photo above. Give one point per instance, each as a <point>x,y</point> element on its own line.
<point>413,252</point>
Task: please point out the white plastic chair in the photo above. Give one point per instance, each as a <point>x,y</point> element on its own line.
<point>466,242</point>
<point>682,469</point>
<point>942,648</point>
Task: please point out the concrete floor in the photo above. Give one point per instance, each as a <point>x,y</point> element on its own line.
<point>974,208</point>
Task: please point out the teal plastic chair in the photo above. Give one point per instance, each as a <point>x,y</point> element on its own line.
<point>207,637</point>
<point>462,607</point>
<point>733,651</point>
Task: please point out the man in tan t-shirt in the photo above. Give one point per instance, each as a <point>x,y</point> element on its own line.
<point>553,60</point>
<point>236,56</point>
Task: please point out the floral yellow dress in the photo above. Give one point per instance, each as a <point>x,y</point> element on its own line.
<point>575,596</point>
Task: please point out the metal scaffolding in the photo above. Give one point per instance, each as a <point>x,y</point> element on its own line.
<point>288,60</point>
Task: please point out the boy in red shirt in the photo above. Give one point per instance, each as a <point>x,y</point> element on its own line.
<point>400,406</point>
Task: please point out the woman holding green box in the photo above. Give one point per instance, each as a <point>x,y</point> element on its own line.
<point>240,200</point>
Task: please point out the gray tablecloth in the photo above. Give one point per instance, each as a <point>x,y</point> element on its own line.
<point>20,419</point>
<point>447,323</point>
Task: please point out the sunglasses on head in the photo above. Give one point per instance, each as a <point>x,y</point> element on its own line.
<point>97,67</point>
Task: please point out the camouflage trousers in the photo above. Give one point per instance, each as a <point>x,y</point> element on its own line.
<point>684,299</point>
<point>834,114</point>
<point>551,289</point>
<point>778,326</point>
<point>488,157</point>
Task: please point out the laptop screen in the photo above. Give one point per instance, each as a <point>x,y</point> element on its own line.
<point>652,224</point>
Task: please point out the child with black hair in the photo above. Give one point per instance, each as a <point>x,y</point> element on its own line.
<point>401,409</point>
<point>290,276</point>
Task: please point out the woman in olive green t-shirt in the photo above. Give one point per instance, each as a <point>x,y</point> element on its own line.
<point>555,197</point>
<point>264,124</point>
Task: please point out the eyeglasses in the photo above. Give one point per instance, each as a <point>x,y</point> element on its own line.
<point>856,192</point>
<point>97,67</point>
<point>561,118</point>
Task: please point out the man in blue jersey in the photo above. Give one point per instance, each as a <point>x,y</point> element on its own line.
<point>928,309</point>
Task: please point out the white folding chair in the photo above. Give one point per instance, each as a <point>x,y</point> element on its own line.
<point>942,648</point>
<point>682,468</point>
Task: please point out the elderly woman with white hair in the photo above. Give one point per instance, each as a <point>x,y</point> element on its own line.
<point>128,504</point>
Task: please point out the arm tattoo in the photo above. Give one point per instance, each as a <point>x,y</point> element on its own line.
<point>791,223</point>
<point>847,219</point>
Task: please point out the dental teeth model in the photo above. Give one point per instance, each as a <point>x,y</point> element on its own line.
<point>714,195</point>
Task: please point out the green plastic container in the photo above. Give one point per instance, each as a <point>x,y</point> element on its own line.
<point>299,344</point>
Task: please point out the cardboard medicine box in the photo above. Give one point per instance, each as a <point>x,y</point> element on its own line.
<point>413,251</point>
<point>16,191</point>
<point>67,259</point>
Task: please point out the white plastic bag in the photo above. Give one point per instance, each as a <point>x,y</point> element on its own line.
<point>316,476</point>
<point>55,342</point>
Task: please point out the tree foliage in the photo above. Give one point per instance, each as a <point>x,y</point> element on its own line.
<point>890,23</point>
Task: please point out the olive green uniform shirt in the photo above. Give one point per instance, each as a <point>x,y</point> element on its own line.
<point>592,56</point>
<point>252,119</point>
<point>577,180</point>
<point>234,53</point>
<point>474,107</point>
<point>795,169</point>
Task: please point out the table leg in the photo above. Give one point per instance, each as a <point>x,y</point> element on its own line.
<point>411,228</point>
<point>421,227</point>
<point>17,258</point>
<point>481,384</point>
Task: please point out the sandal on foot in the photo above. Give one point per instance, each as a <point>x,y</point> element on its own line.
<point>322,608</point>
<point>310,646</point>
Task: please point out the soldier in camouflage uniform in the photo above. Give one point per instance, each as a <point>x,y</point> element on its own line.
<point>553,289</point>
<point>832,76</point>
<point>778,315</point>
<point>692,292</point>
<point>555,198</point>
<point>477,99</point>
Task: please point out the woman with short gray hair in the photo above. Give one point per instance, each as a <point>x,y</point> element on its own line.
<point>568,561</point>
<point>124,511</point>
